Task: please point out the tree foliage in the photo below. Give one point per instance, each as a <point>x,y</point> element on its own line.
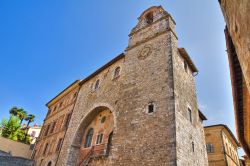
<point>12,128</point>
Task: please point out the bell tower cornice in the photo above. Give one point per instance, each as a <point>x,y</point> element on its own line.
<point>151,23</point>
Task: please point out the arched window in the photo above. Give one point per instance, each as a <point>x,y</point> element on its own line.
<point>117,72</point>
<point>97,84</point>
<point>49,164</point>
<point>149,18</point>
<point>89,137</point>
<point>109,146</point>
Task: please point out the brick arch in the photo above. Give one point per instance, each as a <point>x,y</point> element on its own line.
<point>150,10</point>
<point>74,150</point>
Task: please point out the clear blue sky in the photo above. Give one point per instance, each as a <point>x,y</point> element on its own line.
<point>46,45</point>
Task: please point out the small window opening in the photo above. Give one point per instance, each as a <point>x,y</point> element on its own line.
<point>45,149</point>
<point>97,84</point>
<point>103,119</point>
<point>54,108</point>
<point>53,127</point>
<point>149,18</point>
<point>185,66</point>
<point>190,115</point>
<point>59,144</point>
<point>99,139</point>
<point>117,72</point>
<point>49,164</point>
<point>151,108</point>
<point>193,146</point>
<point>67,120</point>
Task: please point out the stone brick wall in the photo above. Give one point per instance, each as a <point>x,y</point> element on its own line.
<point>236,14</point>
<point>187,133</point>
<point>149,71</point>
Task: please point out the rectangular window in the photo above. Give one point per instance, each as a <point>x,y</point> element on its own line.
<point>47,130</point>
<point>45,149</point>
<point>210,148</point>
<point>59,144</point>
<point>151,108</point>
<point>190,115</point>
<point>99,139</point>
<point>52,127</point>
<point>67,120</point>
<point>185,66</point>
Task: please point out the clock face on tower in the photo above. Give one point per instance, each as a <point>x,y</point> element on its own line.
<point>145,52</point>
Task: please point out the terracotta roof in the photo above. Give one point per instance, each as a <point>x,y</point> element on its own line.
<point>229,131</point>
<point>185,55</point>
<point>201,115</point>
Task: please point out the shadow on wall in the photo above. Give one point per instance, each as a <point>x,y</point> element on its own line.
<point>15,161</point>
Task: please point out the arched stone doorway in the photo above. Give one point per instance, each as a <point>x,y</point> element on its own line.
<point>93,137</point>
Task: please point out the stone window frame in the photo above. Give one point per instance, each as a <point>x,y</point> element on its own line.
<point>49,163</point>
<point>185,66</point>
<point>190,116</point>
<point>67,120</point>
<point>46,132</point>
<point>45,148</point>
<point>59,144</point>
<point>55,108</point>
<point>96,85</point>
<point>99,139</point>
<point>117,72</point>
<point>89,138</point>
<point>52,127</point>
<point>151,103</point>
<point>193,147</point>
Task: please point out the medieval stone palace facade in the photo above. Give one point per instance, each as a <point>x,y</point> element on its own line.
<point>138,109</point>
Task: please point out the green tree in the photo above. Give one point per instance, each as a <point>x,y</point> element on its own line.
<point>22,115</point>
<point>30,118</point>
<point>14,111</point>
<point>21,136</point>
<point>11,127</point>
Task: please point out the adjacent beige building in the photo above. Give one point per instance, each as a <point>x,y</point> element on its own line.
<point>222,146</point>
<point>33,132</point>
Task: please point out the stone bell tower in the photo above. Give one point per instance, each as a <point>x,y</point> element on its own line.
<point>152,102</point>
